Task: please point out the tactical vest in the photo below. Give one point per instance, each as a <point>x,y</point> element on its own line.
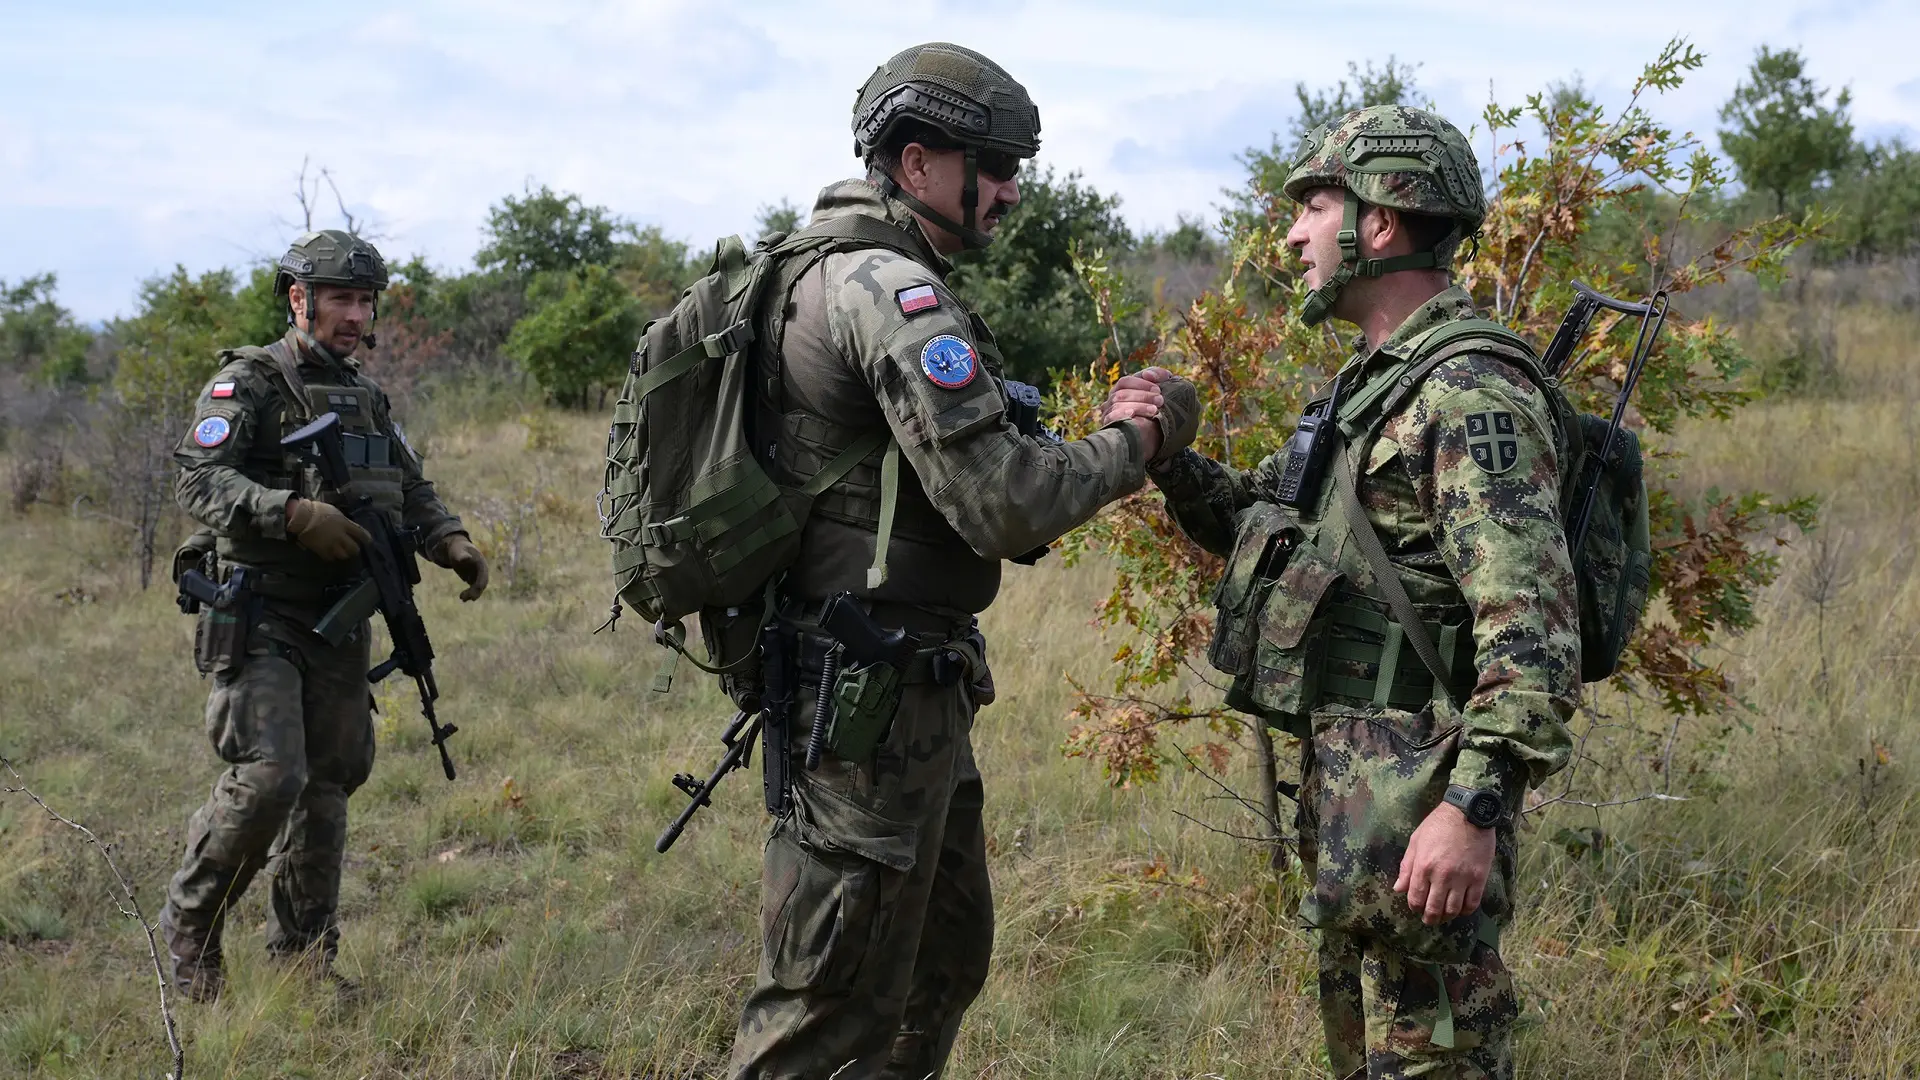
<point>1301,621</point>
<point>374,457</point>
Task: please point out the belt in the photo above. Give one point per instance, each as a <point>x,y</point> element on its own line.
<point>288,588</point>
<point>944,663</point>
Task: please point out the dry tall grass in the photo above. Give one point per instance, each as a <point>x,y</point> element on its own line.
<point>518,924</point>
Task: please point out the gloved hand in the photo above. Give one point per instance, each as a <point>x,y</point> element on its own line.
<point>1179,416</point>
<point>459,555</point>
<point>321,528</point>
<point>1165,406</point>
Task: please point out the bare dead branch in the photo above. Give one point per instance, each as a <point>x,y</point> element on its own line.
<point>128,906</point>
<point>1257,811</point>
<point>1261,840</point>
<point>353,223</point>
<point>1651,796</point>
<point>305,198</point>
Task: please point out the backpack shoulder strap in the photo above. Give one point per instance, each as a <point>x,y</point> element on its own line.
<point>281,368</point>
<point>853,231</point>
<point>1362,415</point>
<point>797,254</point>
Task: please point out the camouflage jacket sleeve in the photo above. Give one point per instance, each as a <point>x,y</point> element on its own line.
<point>1003,492</point>
<point>1204,497</point>
<point>227,421</point>
<point>421,507</point>
<point>1477,444</point>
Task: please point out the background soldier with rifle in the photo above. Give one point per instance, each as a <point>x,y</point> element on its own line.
<point>306,534</point>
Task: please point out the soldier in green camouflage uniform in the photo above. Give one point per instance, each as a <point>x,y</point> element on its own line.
<point>877,914</point>
<point>288,712</point>
<point>1407,788</point>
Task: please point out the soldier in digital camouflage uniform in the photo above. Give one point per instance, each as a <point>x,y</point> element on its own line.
<point>288,713</point>
<point>876,911</point>
<point>1456,458</point>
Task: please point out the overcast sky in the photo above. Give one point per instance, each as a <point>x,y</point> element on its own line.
<point>134,136</point>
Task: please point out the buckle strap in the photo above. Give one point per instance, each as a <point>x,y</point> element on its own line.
<point>1384,574</point>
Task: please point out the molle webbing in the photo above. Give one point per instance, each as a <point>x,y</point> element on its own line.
<point>1369,660</point>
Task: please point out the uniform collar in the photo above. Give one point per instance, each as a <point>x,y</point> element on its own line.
<point>849,198</point>
<point>1449,304</point>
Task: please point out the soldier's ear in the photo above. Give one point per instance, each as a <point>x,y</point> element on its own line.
<point>1379,226</point>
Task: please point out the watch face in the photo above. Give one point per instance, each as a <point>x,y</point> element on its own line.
<point>1484,809</point>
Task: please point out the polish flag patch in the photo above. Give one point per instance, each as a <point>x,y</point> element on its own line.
<point>919,298</point>
<point>222,389</point>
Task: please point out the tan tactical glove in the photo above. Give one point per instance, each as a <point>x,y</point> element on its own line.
<point>1179,417</point>
<point>321,528</point>
<point>460,556</point>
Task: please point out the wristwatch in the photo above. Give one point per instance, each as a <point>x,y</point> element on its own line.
<point>1484,809</point>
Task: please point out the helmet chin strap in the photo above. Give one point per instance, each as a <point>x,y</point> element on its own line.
<point>968,231</point>
<point>1319,304</point>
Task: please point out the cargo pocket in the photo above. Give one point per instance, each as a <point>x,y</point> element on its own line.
<point>838,869</point>
<point>1263,535</point>
<point>1289,642</point>
<point>1375,774</point>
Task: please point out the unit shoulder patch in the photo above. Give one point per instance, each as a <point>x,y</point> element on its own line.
<point>212,431</point>
<point>917,299</point>
<point>1491,440</point>
<point>949,362</point>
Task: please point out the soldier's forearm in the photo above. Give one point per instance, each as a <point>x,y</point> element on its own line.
<point>1016,494</point>
<point>423,510</point>
<point>225,500</point>
<point>1203,497</point>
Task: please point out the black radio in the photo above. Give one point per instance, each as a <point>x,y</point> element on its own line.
<point>1308,451</point>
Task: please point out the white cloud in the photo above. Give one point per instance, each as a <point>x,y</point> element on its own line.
<point>131,139</point>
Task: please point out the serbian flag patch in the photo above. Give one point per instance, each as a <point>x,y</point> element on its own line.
<point>222,389</point>
<point>918,298</point>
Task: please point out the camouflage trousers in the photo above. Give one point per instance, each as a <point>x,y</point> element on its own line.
<point>294,726</point>
<point>1380,1007</point>
<point>876,912</point>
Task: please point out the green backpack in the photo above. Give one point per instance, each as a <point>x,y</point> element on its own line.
<point>696,522</point>
<point>1603,500</point>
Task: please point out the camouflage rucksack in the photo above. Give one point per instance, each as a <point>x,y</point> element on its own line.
<point>695,520</point>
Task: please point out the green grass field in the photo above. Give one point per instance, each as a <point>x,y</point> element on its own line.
<point>517,923</point>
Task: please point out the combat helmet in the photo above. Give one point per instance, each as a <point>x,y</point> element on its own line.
<point>1393,156</point>
<point>970,100</point>
<point>329,257</point>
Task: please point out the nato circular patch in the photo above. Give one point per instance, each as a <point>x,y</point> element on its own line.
<point>949,362</point>
<point>212,431</point>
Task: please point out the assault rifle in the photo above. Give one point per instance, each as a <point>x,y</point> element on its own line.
<point>765,714</point>
<point>392,572</point>
<point>1558,360</point>
<point>769,716</point>
<point>738,740</point>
